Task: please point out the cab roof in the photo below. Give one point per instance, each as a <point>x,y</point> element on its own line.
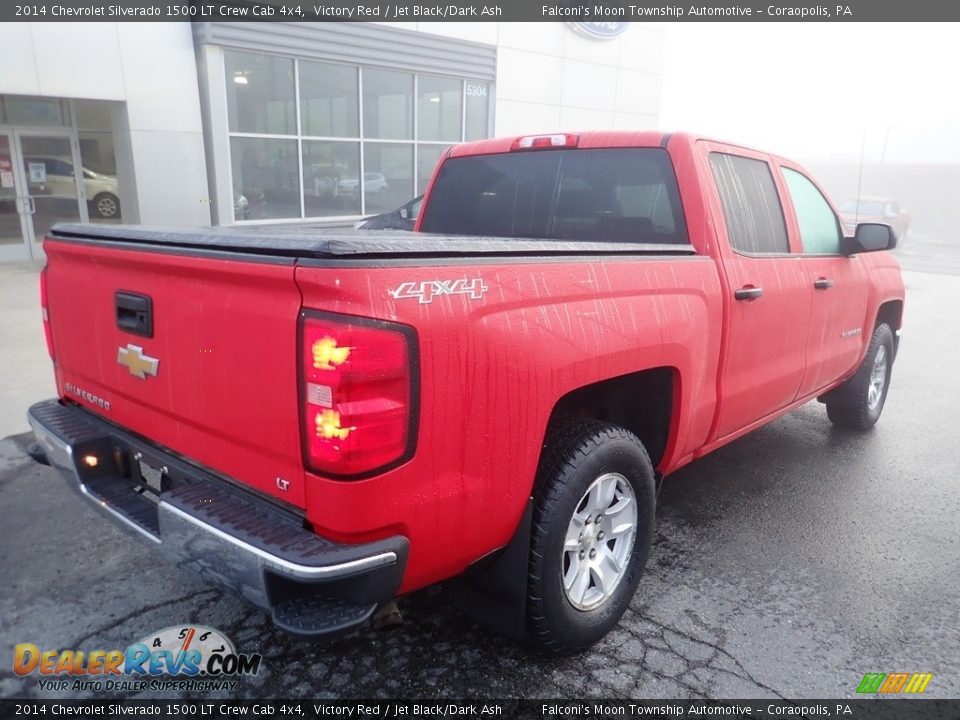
<point>598,139</point>
<point>587,139</point>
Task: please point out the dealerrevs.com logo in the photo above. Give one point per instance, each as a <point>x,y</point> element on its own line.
<point>189,657</point>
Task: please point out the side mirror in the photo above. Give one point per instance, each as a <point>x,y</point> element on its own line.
<point>870,237</point>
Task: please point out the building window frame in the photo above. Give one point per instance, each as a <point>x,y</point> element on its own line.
<point>223,171</point>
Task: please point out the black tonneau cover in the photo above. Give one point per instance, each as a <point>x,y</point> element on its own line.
<point>323,242</point>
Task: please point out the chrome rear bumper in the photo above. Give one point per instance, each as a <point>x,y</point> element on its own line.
<point>228,536</point>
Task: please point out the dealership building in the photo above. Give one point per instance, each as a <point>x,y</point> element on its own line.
<point>251,123</point>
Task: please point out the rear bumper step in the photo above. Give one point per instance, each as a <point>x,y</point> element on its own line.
<point>311,586</point>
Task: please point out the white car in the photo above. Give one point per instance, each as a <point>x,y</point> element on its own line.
<point>373,182</point>
<point>101,189</point>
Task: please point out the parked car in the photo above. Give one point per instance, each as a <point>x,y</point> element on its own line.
<point>495,397</point>
<point>403,218</point>
<point>876,209</point>
<point>100,189</point>
<point>373,182</point>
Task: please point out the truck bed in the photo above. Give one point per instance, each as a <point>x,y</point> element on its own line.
<point>305,241</point>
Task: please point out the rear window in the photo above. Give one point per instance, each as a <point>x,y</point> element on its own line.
<point>623,194</point>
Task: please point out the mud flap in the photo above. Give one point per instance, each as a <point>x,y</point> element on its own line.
<point>494,589</point>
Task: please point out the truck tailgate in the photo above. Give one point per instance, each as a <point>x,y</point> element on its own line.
<point>223,389</point>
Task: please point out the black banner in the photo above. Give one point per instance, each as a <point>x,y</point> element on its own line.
<point>602,15</point>
<point>199,709</point>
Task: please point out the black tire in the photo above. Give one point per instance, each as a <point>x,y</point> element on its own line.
<point>849,406</point>
<point>106,200</point>
<point>578,452</point>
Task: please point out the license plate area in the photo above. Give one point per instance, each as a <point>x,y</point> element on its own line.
<point>140,470</point>
<point>151,477</point>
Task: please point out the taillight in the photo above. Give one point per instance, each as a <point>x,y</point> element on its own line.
<point>358,393</point>
<point>46,313</point>
<point>543,142</point>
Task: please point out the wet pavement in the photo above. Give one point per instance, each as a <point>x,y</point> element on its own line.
<point>788,563</point>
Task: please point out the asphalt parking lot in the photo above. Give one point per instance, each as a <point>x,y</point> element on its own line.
<point>787,564</point>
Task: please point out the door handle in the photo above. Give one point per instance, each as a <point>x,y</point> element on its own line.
<point>748,292</point>
<point>823,283</point>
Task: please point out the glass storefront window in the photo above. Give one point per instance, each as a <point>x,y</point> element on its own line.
<point>34,111</point>
<point>266,178</point>
<point>439,108</point>
<point>298,130</point>
<point>329,102</point>
<point>331,178</point>
<point>260,94</point>
<point>427,157</point>
<point>387,104</point>
<point>94,114</point>
<point>10,230</point>
<point>51,180</point>
<point>387,175</point>
<point>98,161</point>
<point>99,170</point>
<point>478,110</point>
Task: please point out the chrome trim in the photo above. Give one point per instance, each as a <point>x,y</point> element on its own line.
<point>60,455</point>
<point>193,544</point>
<point>278,563</point>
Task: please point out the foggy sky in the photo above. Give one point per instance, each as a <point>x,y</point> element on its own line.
<point>810,90</point>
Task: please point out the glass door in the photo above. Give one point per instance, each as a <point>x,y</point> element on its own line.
<point>53,183</point>
<point>13,205</point>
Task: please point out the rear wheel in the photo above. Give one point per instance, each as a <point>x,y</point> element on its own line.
<point>857,404</point>
<point>592,530</point>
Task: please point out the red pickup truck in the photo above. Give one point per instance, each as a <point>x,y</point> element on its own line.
<point>323,421</point>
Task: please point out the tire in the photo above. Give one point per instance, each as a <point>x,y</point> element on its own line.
<point>107,205</point>
<point>857,404</point>
<point>580,456</point>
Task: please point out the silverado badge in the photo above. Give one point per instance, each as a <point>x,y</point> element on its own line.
<point>140,365</point>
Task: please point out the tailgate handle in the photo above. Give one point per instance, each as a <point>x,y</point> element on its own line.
<point>135,313</point>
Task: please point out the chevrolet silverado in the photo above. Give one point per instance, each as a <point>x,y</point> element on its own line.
<point>324,421</point>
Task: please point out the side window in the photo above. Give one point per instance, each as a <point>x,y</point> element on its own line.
<point>53,166</point>
<point>751,204</point>
<point>819,228</point>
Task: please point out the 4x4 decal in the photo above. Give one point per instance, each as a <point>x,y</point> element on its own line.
<point>427,290</point>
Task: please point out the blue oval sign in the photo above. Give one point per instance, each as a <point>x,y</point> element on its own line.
<point>600,30</point>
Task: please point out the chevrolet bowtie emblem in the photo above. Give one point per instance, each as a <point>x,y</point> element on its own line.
<point>132,358</point>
